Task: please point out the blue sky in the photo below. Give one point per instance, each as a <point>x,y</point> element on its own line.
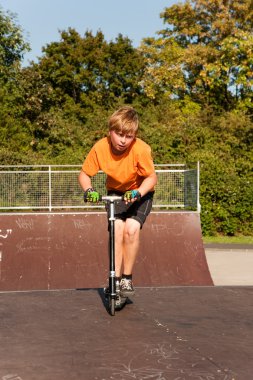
<point>41,20</point>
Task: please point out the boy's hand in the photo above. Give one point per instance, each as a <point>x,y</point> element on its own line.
<point>132,196</point>
<point>91,195</point>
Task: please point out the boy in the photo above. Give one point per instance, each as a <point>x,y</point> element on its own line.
<point>129,167</point>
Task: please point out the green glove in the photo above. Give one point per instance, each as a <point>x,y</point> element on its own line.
<point>131,194</point>
<point>91,195</point>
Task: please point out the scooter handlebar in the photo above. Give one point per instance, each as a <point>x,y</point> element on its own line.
<point>112,198</point>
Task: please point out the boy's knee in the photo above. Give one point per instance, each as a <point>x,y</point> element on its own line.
<point>131,231</point>
<point>119,226</point>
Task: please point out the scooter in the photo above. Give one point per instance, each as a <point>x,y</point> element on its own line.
<point>115,300</point>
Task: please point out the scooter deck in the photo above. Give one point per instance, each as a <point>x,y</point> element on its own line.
<point>120,302</point>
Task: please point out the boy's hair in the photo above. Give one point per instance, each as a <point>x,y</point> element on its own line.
<point>124,120</point>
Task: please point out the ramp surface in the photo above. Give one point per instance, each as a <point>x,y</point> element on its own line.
<point>69,251</point>
<point>176,333</point>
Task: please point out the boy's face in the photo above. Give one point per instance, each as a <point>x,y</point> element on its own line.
<point>121,141</point>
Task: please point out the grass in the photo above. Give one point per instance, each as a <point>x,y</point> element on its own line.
<point>228,239</point>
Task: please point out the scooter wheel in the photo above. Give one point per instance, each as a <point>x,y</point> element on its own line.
<point>112,306</point>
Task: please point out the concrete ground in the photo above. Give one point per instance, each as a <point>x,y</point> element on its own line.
<point>230,265</point>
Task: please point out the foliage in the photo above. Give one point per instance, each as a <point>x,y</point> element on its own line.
<point>192,88</point>
<point>91,71</point>
<point>222,142</point>
<point>205,52</point>
<point>12,46</point>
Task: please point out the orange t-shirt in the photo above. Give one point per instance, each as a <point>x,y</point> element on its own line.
<point>124,172</point>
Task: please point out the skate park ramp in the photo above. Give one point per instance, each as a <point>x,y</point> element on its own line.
<point>69,251</point>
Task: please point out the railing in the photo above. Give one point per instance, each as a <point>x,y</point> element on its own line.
<point>56,187</point>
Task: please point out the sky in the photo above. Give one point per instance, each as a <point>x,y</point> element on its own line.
<point>41,20</point>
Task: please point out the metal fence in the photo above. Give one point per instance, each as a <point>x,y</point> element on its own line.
<point>56,187</point>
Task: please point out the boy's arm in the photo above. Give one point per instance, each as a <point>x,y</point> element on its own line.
<point>148,184</point>
<point>84,181</point>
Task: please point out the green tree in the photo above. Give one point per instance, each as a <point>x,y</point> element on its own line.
<point>12,49</point>
<point>75,80</point>
<point>89,71</point>
<point>205,52</point>
<point>12,46</point>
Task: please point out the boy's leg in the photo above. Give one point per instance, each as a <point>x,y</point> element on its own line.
<point>131,240</point>
<point>127,238</point>
<point>119,236</point>
<point>130,250</point>
<point>127,234</point>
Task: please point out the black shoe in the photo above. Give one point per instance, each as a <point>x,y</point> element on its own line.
<point>126,287</point>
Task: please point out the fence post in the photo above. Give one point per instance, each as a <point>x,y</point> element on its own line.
<point>198,184</point>
<point>50,187</point>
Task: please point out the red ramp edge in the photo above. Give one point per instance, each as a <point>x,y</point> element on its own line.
<point>68,251</point>
<point>172,251</point>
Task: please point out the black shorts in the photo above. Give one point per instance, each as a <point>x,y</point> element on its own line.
<point>138,210</point>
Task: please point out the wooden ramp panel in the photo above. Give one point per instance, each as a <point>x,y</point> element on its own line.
<point>69,251</point>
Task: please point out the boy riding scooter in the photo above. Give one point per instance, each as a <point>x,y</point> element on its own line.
<point>129,167</point>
